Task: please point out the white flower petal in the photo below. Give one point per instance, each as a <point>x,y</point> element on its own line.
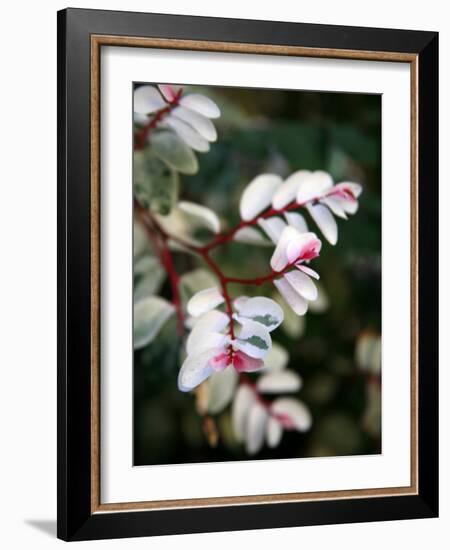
<point>169,91</point>
<point>250,235</point>
<point>273,227</point>
<point>279,382</point>
<point>325,221</point>
<point>147,99</point>
<point>253,339</point>
<point>255,428</point>
<point>208,216</point>
<point>242,403</point>
<point>276,360</point>
<point>296,220</point>
<point>294,411</point>
<point>308,271</point>
<point>279,258</point>
<point>221,386</point>
<point>274,432</point>
<point>298,304</point>
<point>313,186</point>
<point>261,310</point>
<point>201,104</point>
<point>302,284</point>
<point>200,123</point>
<point>195,370</point>
<point>303,246</point>
<point>258,194</point>
<point>287,192</point>
<point>190,136</point>
<point>204,301</point>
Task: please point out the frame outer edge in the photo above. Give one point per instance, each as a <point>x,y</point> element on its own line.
<point>428,122</point>
<point>75,518</point>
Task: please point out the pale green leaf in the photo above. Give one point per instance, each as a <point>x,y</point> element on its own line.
<point>221,386</point>
<point>150,314</point>
<point>174,152</point>
<point>155,184</point>
<point>194,281</point>
<point>149,276</point>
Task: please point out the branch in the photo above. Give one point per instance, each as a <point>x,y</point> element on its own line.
<point>159,240</point>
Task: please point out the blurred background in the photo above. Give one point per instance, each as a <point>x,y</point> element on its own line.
<point>336,347</point>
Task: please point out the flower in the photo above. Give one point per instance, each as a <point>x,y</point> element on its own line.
<point>210,349</point>
<point>256,420</point>
<point>189,116</point>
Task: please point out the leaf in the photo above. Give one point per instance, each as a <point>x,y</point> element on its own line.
<point>194,281</point>
<point>140,242</point>
<point>287,192</point>
<point>187,134</point>
<point>297,413</point>
<point>199,122</point>
<point>147,100</point>
<point>243,401</point>
<point>174,152</point>
<point>200,104</point>
<point>191,222</point>
<point>204,301</point>
<point>155,184</point>
<point>221,388</point>
<point>261,310</point>
<point>258,194</point>
<point>150,314</point>
<point>293,324</point>
<point>202,216</point>
<point>274,432</point>
<point>195,370</point>
<point>279,382</point>
<point>256,428</point>
<point>250,235</point>
<point>297,303</point>
<point>302,284</point>
<point>272,227</point>
<point>148,277</point>
<point>253,339</point>
<point>277,358</point>
<point>325,221</point>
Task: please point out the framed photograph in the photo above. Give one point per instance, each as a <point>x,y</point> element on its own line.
<point>247,252</point>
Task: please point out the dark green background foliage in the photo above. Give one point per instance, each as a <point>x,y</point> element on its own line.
<point>281,132</point>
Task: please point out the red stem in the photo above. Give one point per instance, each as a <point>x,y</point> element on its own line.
<point>159,241</point>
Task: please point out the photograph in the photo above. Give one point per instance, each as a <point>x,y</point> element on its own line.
<point>256,273</point>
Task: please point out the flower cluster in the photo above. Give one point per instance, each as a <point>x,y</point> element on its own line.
<point>189,116</point>
<point>211,348</point>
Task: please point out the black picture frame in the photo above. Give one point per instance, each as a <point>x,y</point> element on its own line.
<point>76,521</point>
